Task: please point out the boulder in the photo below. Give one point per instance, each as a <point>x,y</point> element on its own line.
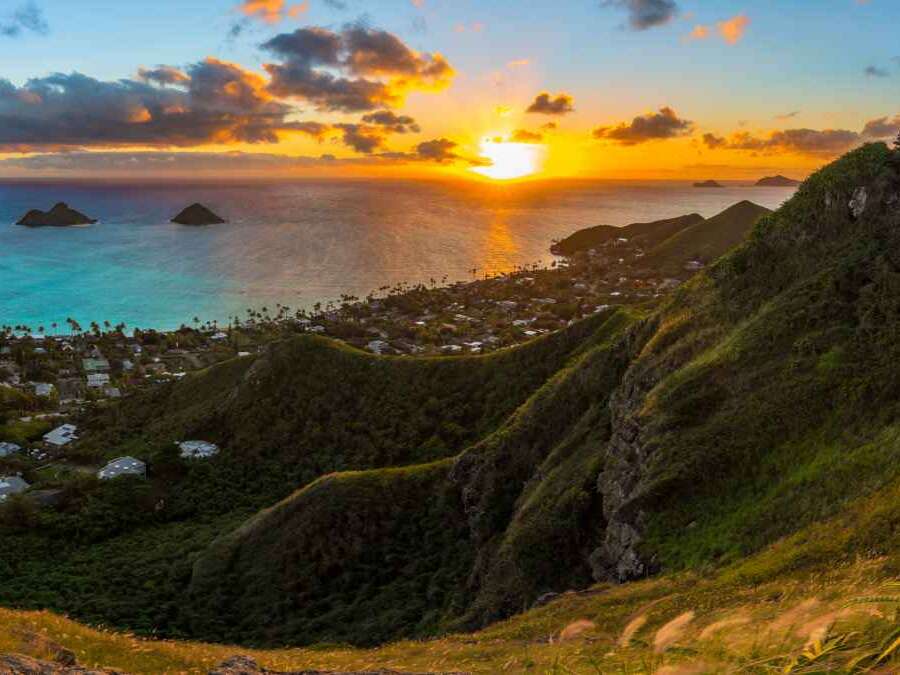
<point>197,214</point>
<point>59,216</point>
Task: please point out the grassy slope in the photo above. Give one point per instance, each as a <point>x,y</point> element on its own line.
<point>649,234</point>
<point>706,240</point>
<point>366,556</point>
<point>307,408</point>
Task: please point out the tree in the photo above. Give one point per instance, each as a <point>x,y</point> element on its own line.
<point>897,142</point>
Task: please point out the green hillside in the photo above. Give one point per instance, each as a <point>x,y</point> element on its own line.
<point>645,234</point>
<point>706,240</point>
<point>747,429</point>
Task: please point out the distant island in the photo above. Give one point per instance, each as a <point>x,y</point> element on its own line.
<point>197,214</point>
<point>708,184</point>
<point>59,216</point>
<point>777,181</point>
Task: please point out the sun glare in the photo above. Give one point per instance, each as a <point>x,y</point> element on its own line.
<point>510,160</point>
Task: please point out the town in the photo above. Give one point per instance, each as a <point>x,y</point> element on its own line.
<point>49,380</point>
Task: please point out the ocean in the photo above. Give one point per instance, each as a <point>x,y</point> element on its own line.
<point>296,243</point>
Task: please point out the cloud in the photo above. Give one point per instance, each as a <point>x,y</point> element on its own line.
<point>644,14</point>
<point>549,126</point>
<point>163,75</point>
<point>518,63</point>
<point>375,69</point>
<point>700,32</point>
<point>543,104</point>
<point>399,124</point>
<point>336,4</point>
<point>650,127</point>
<point>272,11</point>
<point>875,71</point>
<point>787,116</point>
<point>825,143</point>
<point>883,127</point>
<point>213,102</point>
<point>525,136</point>
<point>733,29</point>
<point>437,150</point>
<point>26,18</point>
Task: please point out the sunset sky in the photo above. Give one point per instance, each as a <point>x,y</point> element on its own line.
<point>640,89</point>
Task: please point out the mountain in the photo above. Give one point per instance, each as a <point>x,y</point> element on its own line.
<point>777,181</point>
<point>739,441</point>
<point>646,234</point>
<point>197,214</point>
<point>704,241</point>
<point>708,184</point>
<point>59,216</point>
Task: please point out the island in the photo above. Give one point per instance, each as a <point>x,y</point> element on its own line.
<point>708,184</point>
<point>777,181</point>
<point>59,216</point>
<point>197,214</point>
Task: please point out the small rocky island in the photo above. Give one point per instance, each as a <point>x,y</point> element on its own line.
<point>197,214</point>
<point>59,216</point>
<point>777,181</point>
<point>708,184</point>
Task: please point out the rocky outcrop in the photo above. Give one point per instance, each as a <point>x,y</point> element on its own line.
<point>197,214</point>
<point>244,665</point>
<point>59,216</point>
<point>708,184</point>
<point>17,664</point>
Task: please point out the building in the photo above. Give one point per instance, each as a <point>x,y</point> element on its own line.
<point>95,365</point>
<point>7,449</point>
<point>11,485</point>
<point>97,380</point>
<point>61,435</point>
<point>123,466</point>
<point>43,389</point>
<point>198,449</point>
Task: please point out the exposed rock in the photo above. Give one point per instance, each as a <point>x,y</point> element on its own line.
<point>197,214</point>
<point>244,665</point>
<point>858,202</point>
<point>17,664</point>
<point>36,643</point>
<point>59,216</point>
<point>708,184</point>
<point>777,181</point>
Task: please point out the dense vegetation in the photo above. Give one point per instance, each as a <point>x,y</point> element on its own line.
<point>758,401</point>
<point>647,235</point>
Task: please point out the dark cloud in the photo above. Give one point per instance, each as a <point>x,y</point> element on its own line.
<point>544,104</point>
<point>219,102</point>
<point>399,124</point>
<point>363,139</point>
<point>437,150</point>
<point>525,136</point>
<point>650,127</point>
<point>549,126</point>
<point>163,75</point>
<point>875,71</point>
<point>824,143</point>
<point>355,70</point>
<point>26,18</point>
<point>883,127</point>
<point>787,116</point>
<point>644,14</point>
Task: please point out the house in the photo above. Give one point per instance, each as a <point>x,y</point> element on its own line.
<point>123,466</point>
<point>378,346</point>
<point>43,389</point>
<point>7,449</point>
<point>11,485</point>
<point>127,365</point>
<point>61,435</point>
<point>198,449</point>
<point>97,380</point>
<point>113,392</point>
<point>219,336</point>
<point>95,365</point>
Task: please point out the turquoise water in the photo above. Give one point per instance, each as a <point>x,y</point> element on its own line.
<point>294,243</point>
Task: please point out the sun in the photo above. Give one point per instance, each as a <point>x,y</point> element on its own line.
<point>510,160</point>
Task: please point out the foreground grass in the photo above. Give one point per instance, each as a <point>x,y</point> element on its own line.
<point>802,623</point>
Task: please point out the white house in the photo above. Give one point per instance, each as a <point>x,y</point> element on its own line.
<point>97,380</point>
<point>95,365</point>
<point>7,449</point>
<point>11,485</point>
<point>198,449</point>
<point>123,466</point>
<point>61,435</point>
<point>44,389</point>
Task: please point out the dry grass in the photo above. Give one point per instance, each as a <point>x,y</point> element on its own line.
<point>697,626</point>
